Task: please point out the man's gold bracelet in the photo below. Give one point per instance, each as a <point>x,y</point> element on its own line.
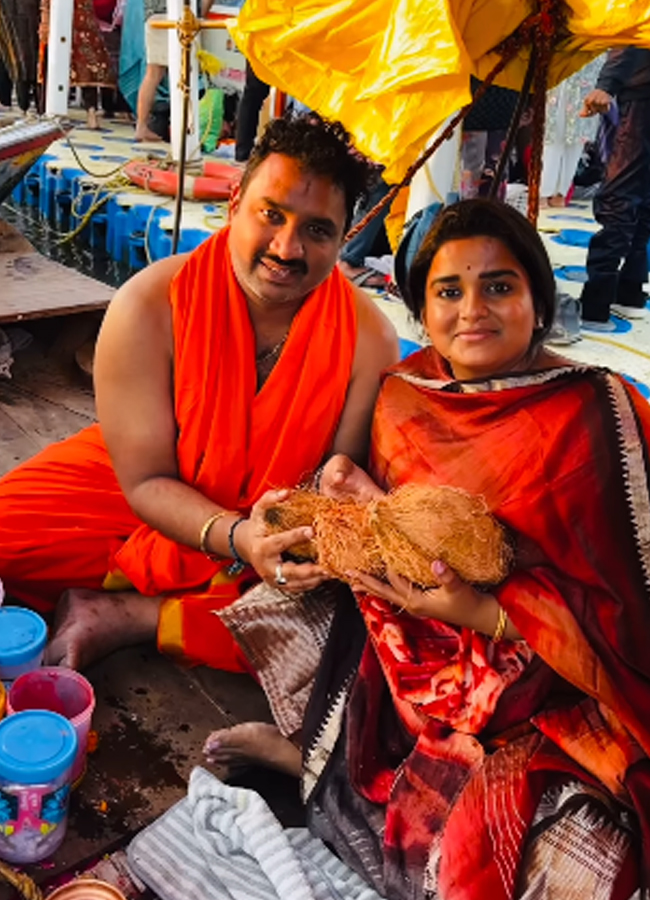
<point>203,536</point>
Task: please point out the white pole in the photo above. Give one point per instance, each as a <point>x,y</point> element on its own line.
<point>58,57</point>
<point>175,12</point>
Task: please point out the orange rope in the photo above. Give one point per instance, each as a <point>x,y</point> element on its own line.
<point>542,27</point>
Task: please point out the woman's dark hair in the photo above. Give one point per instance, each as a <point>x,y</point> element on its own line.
<point>319,146</point>
<point>488,218</point>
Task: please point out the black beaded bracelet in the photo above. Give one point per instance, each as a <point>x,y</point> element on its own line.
<point>318,474</point>
<point>238,565</point>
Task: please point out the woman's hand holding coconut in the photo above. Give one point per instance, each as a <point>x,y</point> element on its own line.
<point>455,601</point>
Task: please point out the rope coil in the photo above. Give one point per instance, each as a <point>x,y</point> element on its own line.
<point>23,883</point>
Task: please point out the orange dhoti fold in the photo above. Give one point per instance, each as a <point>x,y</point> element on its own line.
<point>64,522</point>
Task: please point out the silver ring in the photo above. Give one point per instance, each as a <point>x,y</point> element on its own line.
<point>279,577</point>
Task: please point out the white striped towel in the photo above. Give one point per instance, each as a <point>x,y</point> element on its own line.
<point>224,843</point>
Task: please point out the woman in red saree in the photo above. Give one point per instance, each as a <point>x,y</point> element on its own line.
<point>462,744</point>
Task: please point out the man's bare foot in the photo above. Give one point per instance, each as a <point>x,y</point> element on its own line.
<point>253,742</point>
<point>91,624</point>
<point>144,133</point>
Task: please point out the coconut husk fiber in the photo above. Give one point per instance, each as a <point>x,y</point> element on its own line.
<point>346,543</point>
<point>406,530</point>
<point>298,511</point>
<point>342,540</point>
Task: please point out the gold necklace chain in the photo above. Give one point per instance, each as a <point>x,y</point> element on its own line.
<point>266,355</point>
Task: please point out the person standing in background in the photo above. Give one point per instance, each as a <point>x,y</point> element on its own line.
<point>622,203</point>
<point>248,113</point>
<point>90,63</point>
<point>156,42</point>
<point>18,50</point>
<point>566,133</point>
<point>109,14</point>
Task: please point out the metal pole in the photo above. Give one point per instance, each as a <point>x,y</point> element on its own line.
<point>186,66</point>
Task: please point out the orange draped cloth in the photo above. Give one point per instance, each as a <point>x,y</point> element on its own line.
<point>64,521</point>
<point>561,458</point>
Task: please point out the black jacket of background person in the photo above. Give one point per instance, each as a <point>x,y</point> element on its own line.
<point>626,74</point>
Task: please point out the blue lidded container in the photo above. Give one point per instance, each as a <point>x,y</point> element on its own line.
<point>37,750</point>
<point>23,635</point>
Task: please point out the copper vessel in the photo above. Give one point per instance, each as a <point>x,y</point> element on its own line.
<point>86,889</point>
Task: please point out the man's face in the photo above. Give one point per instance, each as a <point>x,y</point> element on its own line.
<point>286,231</point>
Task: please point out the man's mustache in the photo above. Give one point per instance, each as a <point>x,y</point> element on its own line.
<point>296,265</point>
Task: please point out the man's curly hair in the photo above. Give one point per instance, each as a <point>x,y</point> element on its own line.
<point>321,147</point>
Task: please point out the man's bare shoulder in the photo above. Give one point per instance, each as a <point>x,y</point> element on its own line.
<point>150,287</point>
<point>138,323</point>
<point>376,332</point>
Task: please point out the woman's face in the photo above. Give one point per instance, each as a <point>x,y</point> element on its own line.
<point>479,307</point>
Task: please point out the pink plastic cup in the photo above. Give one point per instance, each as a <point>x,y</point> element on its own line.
<point>59,690</point>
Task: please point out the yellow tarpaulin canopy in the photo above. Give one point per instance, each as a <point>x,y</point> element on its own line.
<point>393,70</point>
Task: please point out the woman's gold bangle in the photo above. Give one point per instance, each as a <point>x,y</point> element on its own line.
<point>203,536</point>
<point>502,623</point>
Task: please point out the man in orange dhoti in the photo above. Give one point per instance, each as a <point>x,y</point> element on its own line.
<point>219,376</point>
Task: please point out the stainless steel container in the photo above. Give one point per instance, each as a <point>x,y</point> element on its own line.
<point>86,889</point>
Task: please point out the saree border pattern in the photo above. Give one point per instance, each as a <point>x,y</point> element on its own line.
<point>508,382</point>
<point>317,754</point>
<point>634,471</point>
